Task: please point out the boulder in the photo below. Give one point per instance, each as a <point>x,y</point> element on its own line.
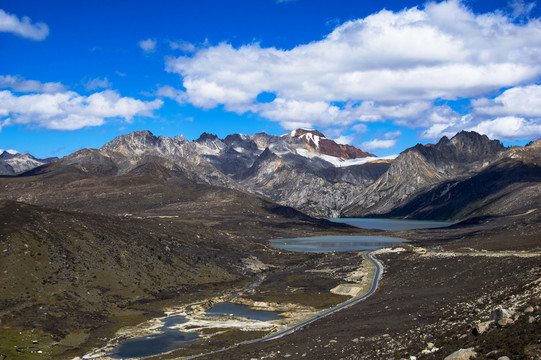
<point>462,354</point>
<point>500,314</point>
<point>481,327</point>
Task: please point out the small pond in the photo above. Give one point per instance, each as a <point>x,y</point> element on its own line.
<point>168,340</point>
<point>336,243</point>
<point>392,224</point>
<point>231,309</point>
<point>171,339</point>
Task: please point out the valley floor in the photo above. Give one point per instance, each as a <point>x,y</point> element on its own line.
<point>422,299</point>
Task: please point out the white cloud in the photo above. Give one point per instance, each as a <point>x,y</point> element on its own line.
<point>171,93</point>
<point>513,115</point>
<point>69,110</point>
<point>97,83</point>
<point>19,84</point>
<point>510,128</point>
<point>387,66</point>
<point>22,27</point>
<point>518,101</point>
<point>148,45</point>
<point>378,144</point>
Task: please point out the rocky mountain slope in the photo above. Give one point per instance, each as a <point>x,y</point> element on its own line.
<point>302,169</point>
<point>418,169</point>
<point>14,163</point>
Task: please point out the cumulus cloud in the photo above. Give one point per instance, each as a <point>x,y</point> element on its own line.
<point>19,84</point>
<point>509,128</point>
<point>515,114</point>
<point>148,45</point>
<point>387,66</point>
<point>22,27</point>
<point>69,110</point>
<point>518,101</point>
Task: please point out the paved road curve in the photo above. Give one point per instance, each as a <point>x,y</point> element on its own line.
<point>375,281</point>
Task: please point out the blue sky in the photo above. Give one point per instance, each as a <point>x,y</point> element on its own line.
<point>382,76</point>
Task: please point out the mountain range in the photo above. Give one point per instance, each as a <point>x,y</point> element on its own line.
<point>302,169</point>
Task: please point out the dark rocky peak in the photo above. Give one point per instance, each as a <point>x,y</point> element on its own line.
<point>267,155</point>
<point>241,142</point>
<point>210,144</point>
<point>205,137</point>
<point>465,147</point>
<point>472,142</point>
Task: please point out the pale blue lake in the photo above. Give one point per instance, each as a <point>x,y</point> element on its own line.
<point>168,340</point>
<point>336,243</point>
<point>392,224</point>
<point>231,309</point>
<point>171,339</point>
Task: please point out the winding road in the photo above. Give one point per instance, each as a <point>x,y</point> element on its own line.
<point>373,288</point>
<point>375,281</point>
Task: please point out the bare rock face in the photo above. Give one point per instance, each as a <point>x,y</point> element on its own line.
<point>418,169</point>
<point>130,152</point>
<point>291,169</point>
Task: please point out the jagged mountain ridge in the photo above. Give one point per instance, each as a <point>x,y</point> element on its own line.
<point>291,171</point>
<point>510,185</point>
<point>421,168</point>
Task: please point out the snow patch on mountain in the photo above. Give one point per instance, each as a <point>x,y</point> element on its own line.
<point>338,162</point>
